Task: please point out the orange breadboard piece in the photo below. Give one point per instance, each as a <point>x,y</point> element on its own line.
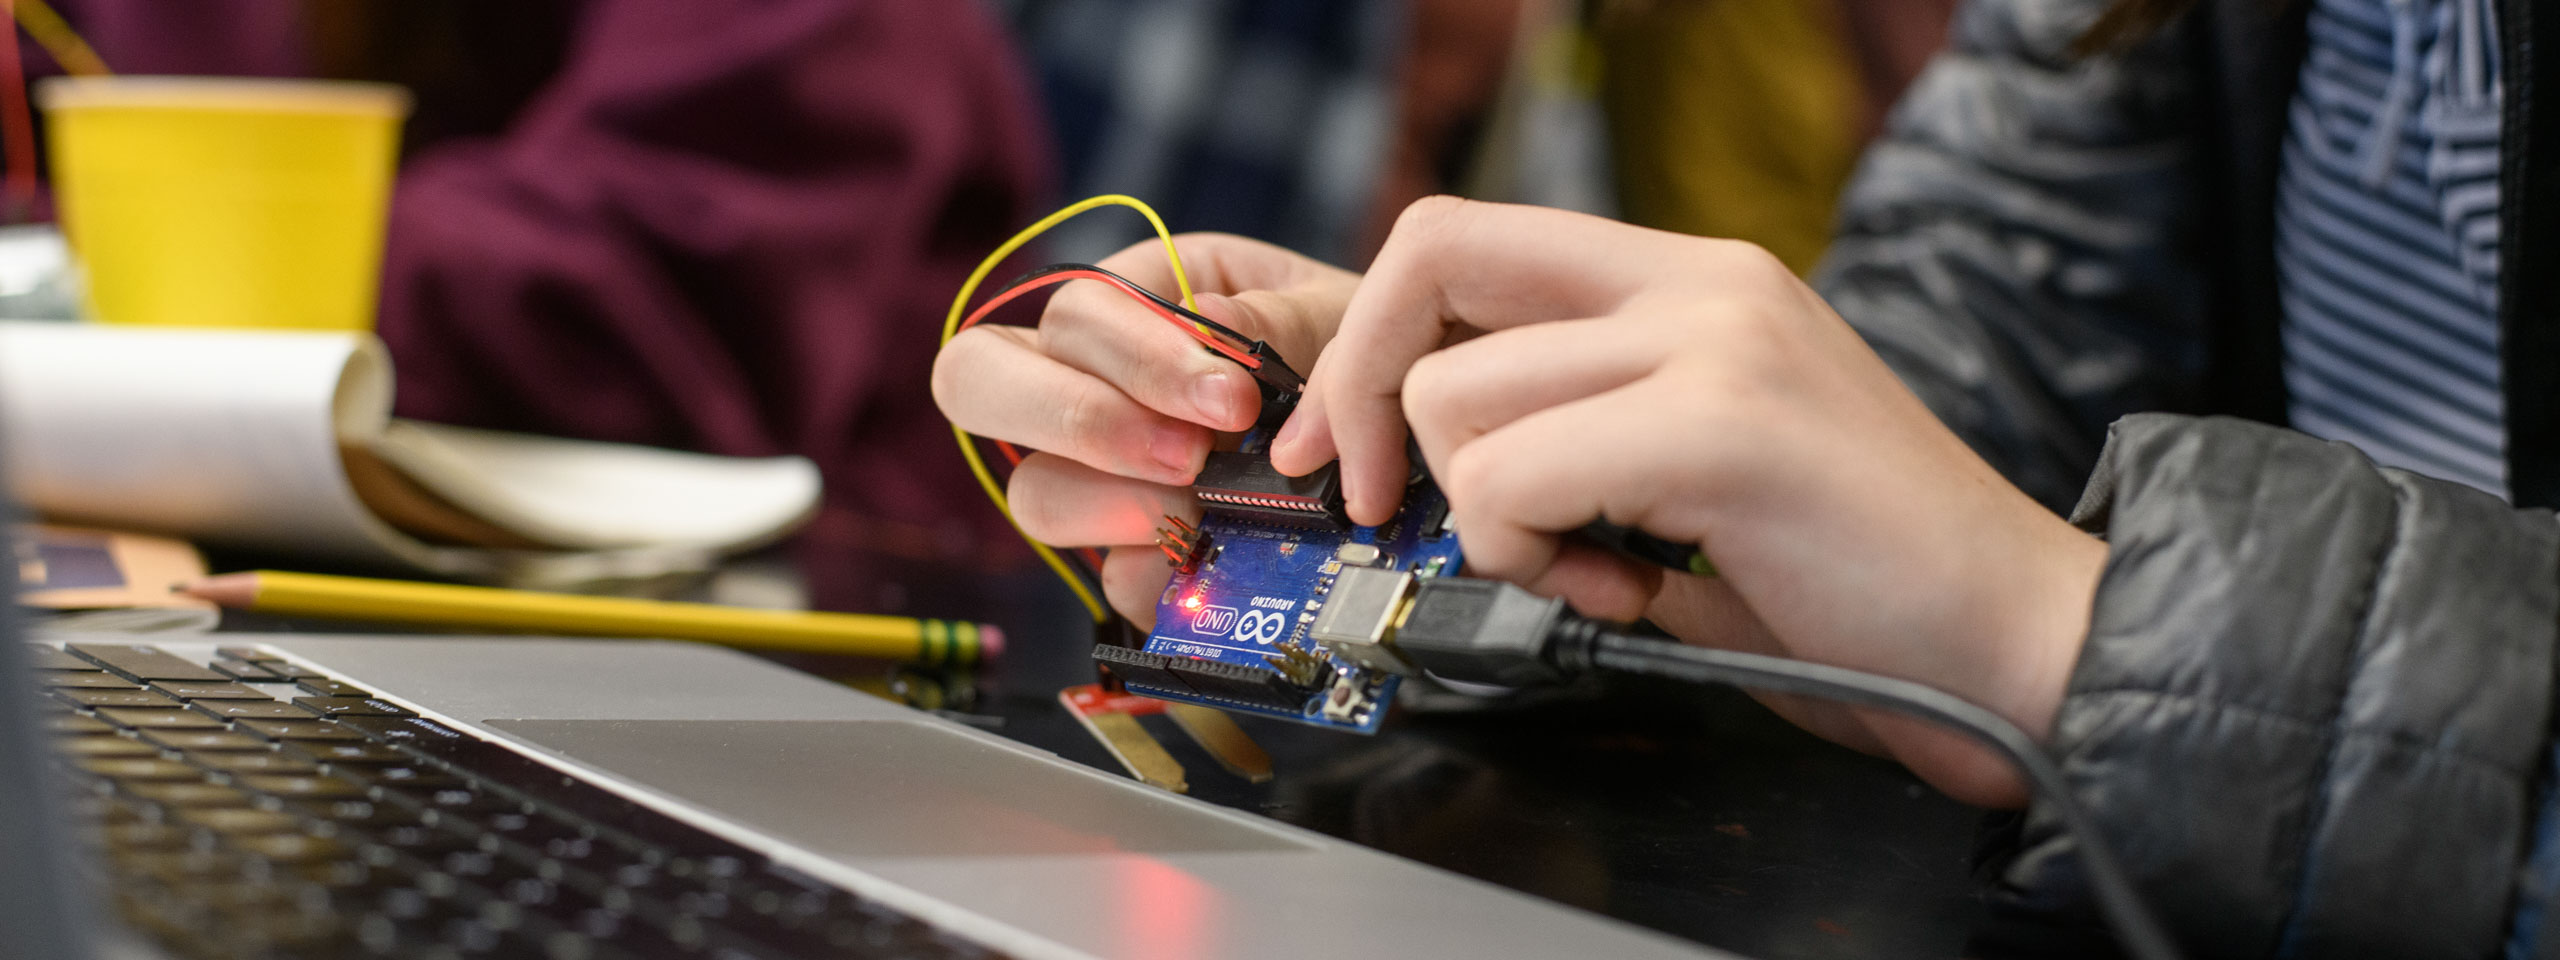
<point>1091,700</point>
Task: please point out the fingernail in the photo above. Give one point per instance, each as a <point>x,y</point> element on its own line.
<point>1213,395</point>
<point>1288,435</point>
<point>1353,496</point>
<point>1172,447</point>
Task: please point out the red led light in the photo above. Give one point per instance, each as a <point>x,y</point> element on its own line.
<point>1191,602</point>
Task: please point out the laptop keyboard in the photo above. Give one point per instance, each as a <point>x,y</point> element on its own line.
<point>254,808</point>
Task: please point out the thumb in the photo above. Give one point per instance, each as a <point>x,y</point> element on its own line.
<point>1598,583</point>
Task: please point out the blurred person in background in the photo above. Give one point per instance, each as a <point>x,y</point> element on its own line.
<point>1745,118</point>
<point>1269,118</point>
<point>1311,123</point>
<point>2250,282</point>
<point>715,225</point>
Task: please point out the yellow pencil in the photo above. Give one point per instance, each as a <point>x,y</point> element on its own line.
<point>523,611</point>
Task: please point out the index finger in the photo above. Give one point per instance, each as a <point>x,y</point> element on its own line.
<point>1448,263</point>
<point>1125,343</point>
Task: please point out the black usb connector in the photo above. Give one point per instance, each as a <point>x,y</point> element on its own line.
<point>1483,631</point>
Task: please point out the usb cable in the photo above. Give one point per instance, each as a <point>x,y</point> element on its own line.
<point>1482,631</point>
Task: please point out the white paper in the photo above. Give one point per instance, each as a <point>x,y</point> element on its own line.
<point>231,438</point>
<point>603,496</point>
<point>220,436</point>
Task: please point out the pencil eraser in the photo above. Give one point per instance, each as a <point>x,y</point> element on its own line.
<point>990,642</point>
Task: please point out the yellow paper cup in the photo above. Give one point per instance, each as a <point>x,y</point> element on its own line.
<point>219,202</point>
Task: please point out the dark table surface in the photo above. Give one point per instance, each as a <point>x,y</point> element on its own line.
<point>1696,813</point>
<point>1691,811</point>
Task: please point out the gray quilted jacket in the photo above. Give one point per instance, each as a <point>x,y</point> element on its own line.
<point>2315,710</point>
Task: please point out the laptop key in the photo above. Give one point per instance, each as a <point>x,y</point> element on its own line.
<point>246,671</point>
<point>138,768</point>
<point>303,786</point>
<point>323,687</point>
<point>105,745</point>
<point>41,657</point>
<point>251,654</point>
<point>299,729</point>
<point>357,753</point>
<point>249,672</point>
<point>351,707</point>
<point>186,794</point>
<point>409,776</point>
<point>471,865</point>
<point>598,858</point>
<point>157,719</point>
<point>464,802</point>
<point>146,836</point>
<point>90,679</point>
<point>115,698</point>
<point>70,724</point>
<point>533,835</point>
<point>290,671</point>
<point>289,847</point>
<point>418,733</point>
<point>342,874</point>
<point>140,663</point>
<point>428,843</point>
<point>208,690</point>
<point>204,740</point>
<point>359,814</point>
<point>242,820</point>
<point>540,895</point>
<point>184,865</point>
<point>252,709</point>
<point>466,936</point>
<point>245,763</point>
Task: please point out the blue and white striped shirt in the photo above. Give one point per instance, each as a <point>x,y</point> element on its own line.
<point>2387,236</point>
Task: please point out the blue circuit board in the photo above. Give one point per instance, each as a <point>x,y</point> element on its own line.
<point>1256,593</point>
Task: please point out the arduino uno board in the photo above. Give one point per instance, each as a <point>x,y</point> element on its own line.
<point>1280,606</point>
<point>1239,627</point>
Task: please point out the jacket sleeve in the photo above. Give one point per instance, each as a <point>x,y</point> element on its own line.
<point>2013,244</point>
<point>2314,712</point>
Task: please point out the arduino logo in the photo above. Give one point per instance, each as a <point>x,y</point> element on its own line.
<point>1213,621</point>
<point>1261,626</point>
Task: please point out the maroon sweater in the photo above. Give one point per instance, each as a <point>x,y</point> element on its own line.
<point>723,225</point>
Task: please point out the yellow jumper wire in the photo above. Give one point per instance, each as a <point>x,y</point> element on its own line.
<point>951,327</point>
<point>57,38</point>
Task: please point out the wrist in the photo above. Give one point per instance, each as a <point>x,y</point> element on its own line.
<point>2052,627</point>
<point>2014,656</point>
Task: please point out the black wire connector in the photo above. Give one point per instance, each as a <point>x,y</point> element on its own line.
<point>1482,631</point>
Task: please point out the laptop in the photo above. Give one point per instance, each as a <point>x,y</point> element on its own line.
<point>240,795</point>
